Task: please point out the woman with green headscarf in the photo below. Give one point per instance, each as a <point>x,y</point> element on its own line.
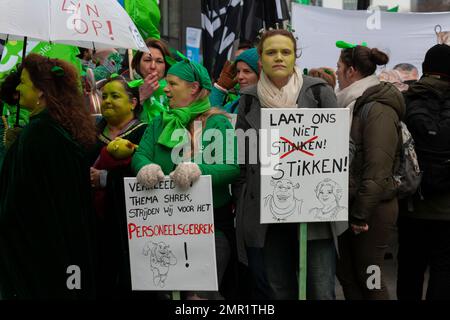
<point>188,88</point>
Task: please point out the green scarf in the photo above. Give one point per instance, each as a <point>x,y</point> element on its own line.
<point>180,118</point>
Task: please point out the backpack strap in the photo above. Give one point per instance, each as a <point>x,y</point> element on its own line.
<point>365,110</point>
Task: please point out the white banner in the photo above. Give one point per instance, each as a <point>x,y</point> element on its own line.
<point>171,236</point>
<point>306,179</point>
<point>405,37</point>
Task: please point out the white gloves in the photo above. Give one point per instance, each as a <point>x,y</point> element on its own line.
<point>150,175</point>
<point>185,174</point>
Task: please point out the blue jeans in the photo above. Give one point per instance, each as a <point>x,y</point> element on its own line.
<point>274,267</point>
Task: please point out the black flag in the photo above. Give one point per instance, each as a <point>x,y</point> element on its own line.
<point>258,14</point>
<point>220,23</point>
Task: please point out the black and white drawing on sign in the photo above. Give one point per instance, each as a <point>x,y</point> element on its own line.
<point>329,193</point>
<point>282,203</point>
<point>161,258</point>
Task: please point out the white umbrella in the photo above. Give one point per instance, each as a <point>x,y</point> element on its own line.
<point>94,24</point>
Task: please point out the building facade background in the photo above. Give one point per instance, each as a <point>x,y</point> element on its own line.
<point>177,15</point>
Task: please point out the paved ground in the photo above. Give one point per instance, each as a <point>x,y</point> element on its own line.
<point>390,266</point>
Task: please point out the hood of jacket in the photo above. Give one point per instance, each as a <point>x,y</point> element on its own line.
<point>385,93</point>
<point>427,86</point>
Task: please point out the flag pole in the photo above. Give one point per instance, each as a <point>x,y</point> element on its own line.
<point>176,295</point>
<point>303,242</point>
<point>130,59</point>
<point>24,51</point>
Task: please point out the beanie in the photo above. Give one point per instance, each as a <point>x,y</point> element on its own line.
<point>437,60</point>
<point>250,57</point>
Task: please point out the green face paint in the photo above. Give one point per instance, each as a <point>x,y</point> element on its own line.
<point>29,94</point>
<point>278,57</point>
<point>116,105</point>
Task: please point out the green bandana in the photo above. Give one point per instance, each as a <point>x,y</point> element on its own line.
<point>179,118</point>
<point>191,71</point>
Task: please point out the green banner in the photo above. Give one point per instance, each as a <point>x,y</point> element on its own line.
<point>12,54</point>
<point>394,9</point>
<point>146,16</point>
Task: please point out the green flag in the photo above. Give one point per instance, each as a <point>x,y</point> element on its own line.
<point>394,9</point>
<point>146,16</point>
<point>12,54</point>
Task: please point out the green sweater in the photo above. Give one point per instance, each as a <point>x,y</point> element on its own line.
<point>222,174</point>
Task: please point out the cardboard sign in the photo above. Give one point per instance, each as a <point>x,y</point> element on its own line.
<point>171,236</point>
<point>304,165</point>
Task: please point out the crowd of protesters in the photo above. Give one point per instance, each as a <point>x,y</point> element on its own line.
<point>62,199</point>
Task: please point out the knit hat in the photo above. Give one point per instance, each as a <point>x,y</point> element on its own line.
<point>250,57</point>
<point>191,71</point>
<point>437,60</point>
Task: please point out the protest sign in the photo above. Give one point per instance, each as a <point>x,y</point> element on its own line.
<point>304,172</point>
<point>171,236</point>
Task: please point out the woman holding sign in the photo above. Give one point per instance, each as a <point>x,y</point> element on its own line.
<point>272,250</point>
<point>377,109</point>
<point>188,88</point>
<point>46,217</point>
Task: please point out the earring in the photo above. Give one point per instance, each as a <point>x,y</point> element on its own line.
<point>38,102</point>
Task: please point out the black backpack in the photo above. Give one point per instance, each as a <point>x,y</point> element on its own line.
<point>408,175</point>
<point>428,119</point>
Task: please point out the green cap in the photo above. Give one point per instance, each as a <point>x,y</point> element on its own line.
<point>192,71</point>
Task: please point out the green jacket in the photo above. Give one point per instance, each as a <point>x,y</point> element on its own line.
<point>223,174</point>
<point>377,150</point>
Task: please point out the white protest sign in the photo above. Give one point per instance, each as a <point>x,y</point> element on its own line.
<point>306,179</point>
<point>405,37</point>
<point>171,236</point>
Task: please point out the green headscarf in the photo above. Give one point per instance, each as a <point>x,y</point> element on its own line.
<point>191,71</point>
<point>179,118</point>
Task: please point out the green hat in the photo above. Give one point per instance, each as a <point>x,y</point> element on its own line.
<point>191,71</point>
<point>250,57</point>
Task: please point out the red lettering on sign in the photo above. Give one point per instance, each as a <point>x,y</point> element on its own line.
<point>110,29</point>
<point>131,229</point>
<point>78,27</point>
<point>89,9</point>
<point>96,25</point>
<point>70,7</point>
